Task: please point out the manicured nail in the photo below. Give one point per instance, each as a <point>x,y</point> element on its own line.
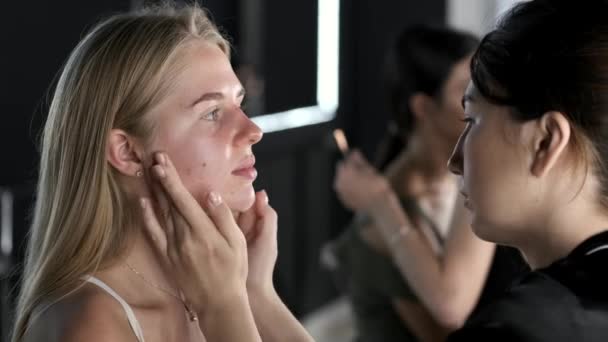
<point>265,196</point>
<point>160,171</point>
<point>214,198</point>
<point>142,202</point>
<point>161,159</point>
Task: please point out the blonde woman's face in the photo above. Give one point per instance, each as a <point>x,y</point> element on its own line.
<point>202,128</point>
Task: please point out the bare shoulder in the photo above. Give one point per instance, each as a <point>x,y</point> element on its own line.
<point>89,314</point>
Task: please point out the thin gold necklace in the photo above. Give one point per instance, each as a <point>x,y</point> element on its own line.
<point>191,313</point>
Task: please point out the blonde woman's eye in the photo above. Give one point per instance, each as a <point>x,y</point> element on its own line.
<point>212,116</point>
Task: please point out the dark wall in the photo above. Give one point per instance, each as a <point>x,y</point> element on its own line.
<point>36,39</point>
<point>290,54</point>
<point>278,39</point>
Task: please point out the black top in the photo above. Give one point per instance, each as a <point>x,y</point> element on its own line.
<point>566,301</point>
<point>507,266</point>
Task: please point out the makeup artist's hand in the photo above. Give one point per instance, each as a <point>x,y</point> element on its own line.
<point>205,248</point>
<point>357,183</point>
<point>260,223</point>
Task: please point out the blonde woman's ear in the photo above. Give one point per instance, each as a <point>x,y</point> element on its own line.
<point>122,154</point>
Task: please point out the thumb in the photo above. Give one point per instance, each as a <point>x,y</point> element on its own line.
<point>268,218</point>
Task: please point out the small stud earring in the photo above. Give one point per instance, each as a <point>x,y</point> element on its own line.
<point>139,173</point>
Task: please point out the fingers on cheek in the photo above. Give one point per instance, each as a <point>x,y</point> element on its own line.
<point>250,236</point>
<point>247,229</point>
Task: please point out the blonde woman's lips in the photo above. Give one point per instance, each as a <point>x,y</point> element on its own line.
<point>249,173</point>
<point>247,169</point>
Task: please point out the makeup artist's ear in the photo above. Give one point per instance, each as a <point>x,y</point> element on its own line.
<point>124,153</point>
<point>550,140</point>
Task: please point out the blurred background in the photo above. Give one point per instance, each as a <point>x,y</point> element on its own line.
<point>309,66</point>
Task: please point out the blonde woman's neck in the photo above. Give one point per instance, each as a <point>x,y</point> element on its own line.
<point>140,266</point>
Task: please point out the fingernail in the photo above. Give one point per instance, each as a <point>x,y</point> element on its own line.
<point>160,171</point>
<point>265,196</point>
<point>214,198</point>
<point>160,158</point>
<point>142,202</point>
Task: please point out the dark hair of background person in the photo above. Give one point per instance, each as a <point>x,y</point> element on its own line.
<point>420,60</point>
<point>535,62</point>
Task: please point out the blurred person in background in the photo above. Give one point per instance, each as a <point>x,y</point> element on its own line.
<point>409,263</point>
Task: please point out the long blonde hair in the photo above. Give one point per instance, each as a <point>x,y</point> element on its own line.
<point>115,75</point>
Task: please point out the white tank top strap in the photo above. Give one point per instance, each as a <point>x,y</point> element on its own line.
<point>130,314</point>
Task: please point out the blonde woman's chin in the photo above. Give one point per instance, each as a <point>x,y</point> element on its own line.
<point>240,201</point>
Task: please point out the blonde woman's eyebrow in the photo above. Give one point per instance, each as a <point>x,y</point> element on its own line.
<point>207,97</point>
<point>215,96</point>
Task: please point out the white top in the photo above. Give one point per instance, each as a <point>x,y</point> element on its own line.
<point>130,314</point>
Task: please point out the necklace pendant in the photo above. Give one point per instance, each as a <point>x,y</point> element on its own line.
<point>192,316</point>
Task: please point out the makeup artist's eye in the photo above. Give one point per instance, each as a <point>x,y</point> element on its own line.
<point>468,120</point>
<point>212,116</point>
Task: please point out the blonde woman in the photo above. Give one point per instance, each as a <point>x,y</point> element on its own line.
<point>129,243</point>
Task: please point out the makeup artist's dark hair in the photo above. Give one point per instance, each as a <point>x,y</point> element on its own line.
<point>549,55</point>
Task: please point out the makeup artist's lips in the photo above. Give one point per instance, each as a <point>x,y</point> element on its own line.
<point>246,169</point>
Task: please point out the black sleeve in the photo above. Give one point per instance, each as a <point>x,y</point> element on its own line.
<point>486,333</point>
